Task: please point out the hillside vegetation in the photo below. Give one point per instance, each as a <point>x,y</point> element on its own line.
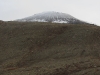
<point>29,48</point>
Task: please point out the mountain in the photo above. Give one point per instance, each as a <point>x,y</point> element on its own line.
<point>54,17</point>
<point>34,48</point>
<point>1,21</point>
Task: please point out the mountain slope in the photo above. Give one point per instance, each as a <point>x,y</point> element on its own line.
<point>49,49</point>
<point>54,17</point>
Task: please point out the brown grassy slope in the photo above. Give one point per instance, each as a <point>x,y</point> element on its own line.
<point>35,45</point>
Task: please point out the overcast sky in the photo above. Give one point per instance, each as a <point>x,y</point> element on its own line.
<point>86,10</point>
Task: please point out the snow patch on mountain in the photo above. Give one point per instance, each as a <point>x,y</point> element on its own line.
<point>54,17</point>
<point>58,21</point>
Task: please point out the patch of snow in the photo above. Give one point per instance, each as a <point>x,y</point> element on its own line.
<point>59,21</point>
<point>54,17</point>
<point>38,20</point>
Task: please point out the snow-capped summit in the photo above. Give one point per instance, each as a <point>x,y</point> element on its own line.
<point>54,17</point>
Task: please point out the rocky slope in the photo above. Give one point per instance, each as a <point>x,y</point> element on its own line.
<point>29,48</point>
